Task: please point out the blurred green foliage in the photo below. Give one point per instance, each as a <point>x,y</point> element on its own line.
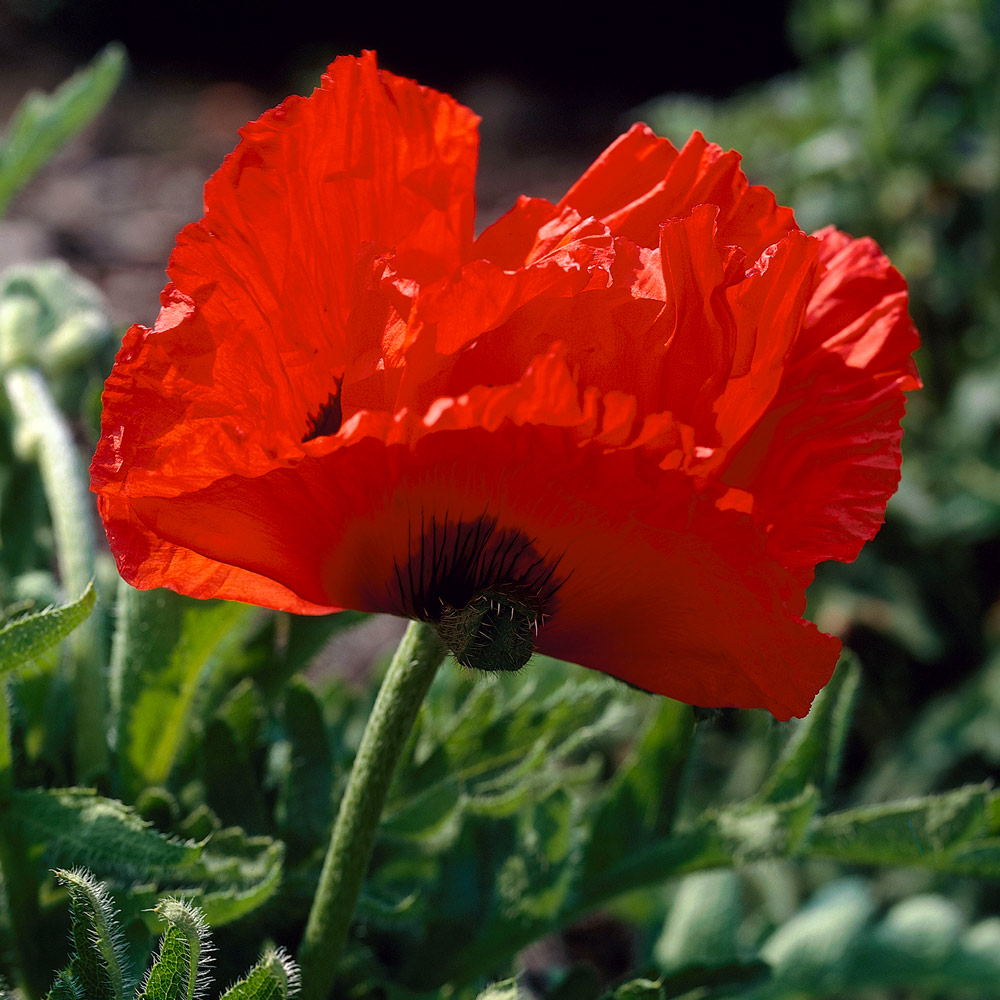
<point>855,853</point>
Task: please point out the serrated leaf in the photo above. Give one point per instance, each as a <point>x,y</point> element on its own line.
<point>274,977</point>
<point>65,987</point>
<point>237,874</point>
<point>431,820</point>
<point>737,836</point>
<point>229,876</point>
<point>98,950</point>
<point>78,827</point>
<point>813,753</point>
<point>42,123</point>
<point>165,650</point>
<point>24,639</point>
<point>180,969</point>
<point>946,832</point>
<point>832,947</point>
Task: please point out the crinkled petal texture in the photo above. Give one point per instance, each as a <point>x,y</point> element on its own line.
<point>648,411</point>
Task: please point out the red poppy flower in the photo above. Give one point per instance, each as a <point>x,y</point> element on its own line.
<point>621,430</point>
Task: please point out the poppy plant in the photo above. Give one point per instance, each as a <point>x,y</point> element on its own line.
<point>621,429</point>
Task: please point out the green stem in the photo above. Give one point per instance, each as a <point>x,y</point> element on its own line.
<point>410,674</point>
<point>43,430</point>
<point>6,754</point>
<point>14,873</point>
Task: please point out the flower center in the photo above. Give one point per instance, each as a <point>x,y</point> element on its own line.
<point>494,631</point>
<point>486,589</point>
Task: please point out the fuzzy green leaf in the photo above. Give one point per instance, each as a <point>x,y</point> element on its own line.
<point>43,122</point>
<point>165,650</point>
<point>274,977</point>
<point>180,970</point>
<point>813,753</point>
<point>77,826</point>
<point>24,639</point>
<point>228,876</point>
<point>949,832</point>
<point>236,873</point>
<point>832,947</point>
<point>64,988</point>
<point>98,950</point>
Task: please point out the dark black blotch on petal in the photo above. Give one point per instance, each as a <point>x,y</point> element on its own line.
<point>329,417</point>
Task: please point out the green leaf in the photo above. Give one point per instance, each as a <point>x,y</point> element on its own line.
<point>813,753</point>
<point>703,923</point>
<point>228,876</point>
<point>639,989</point>
<point>274,977</point>
<point>505,989</point>
<point>42,123</point>
<point>832,947</point>
<point>165,651</point>
<point>180,970</point>
<point>232,780</point>
<point>236,874</point>
<point>735,979</point>
<point>51,318</point>
<point>949,832</point>
<point>302,767</point>
<point>954,726</point>
<point>64,988</point>
<point>300,638</point>
<point>98,950</point>
<point>78,827</point>
<point>24,639</point>
<point>817,948</point>
<point>641,803</point>
<point>738,835</point>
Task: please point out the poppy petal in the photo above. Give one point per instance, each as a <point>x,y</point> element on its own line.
<point>636,418</point>
<point>641,180</point>
<point>825,458</point>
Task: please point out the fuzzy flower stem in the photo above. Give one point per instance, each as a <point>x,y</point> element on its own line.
<point>409,676</point>
<point>43,433</point>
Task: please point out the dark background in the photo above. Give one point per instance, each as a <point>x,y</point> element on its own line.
<point>620,53</point>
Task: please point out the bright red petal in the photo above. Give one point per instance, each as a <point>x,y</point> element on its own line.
<point>641,181</point>
<point>646,411</point>
<point>253,328</point>
<point>824,459</point>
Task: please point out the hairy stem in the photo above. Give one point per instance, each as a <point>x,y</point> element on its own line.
<point>43,432</point>
<point>410,674</point>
